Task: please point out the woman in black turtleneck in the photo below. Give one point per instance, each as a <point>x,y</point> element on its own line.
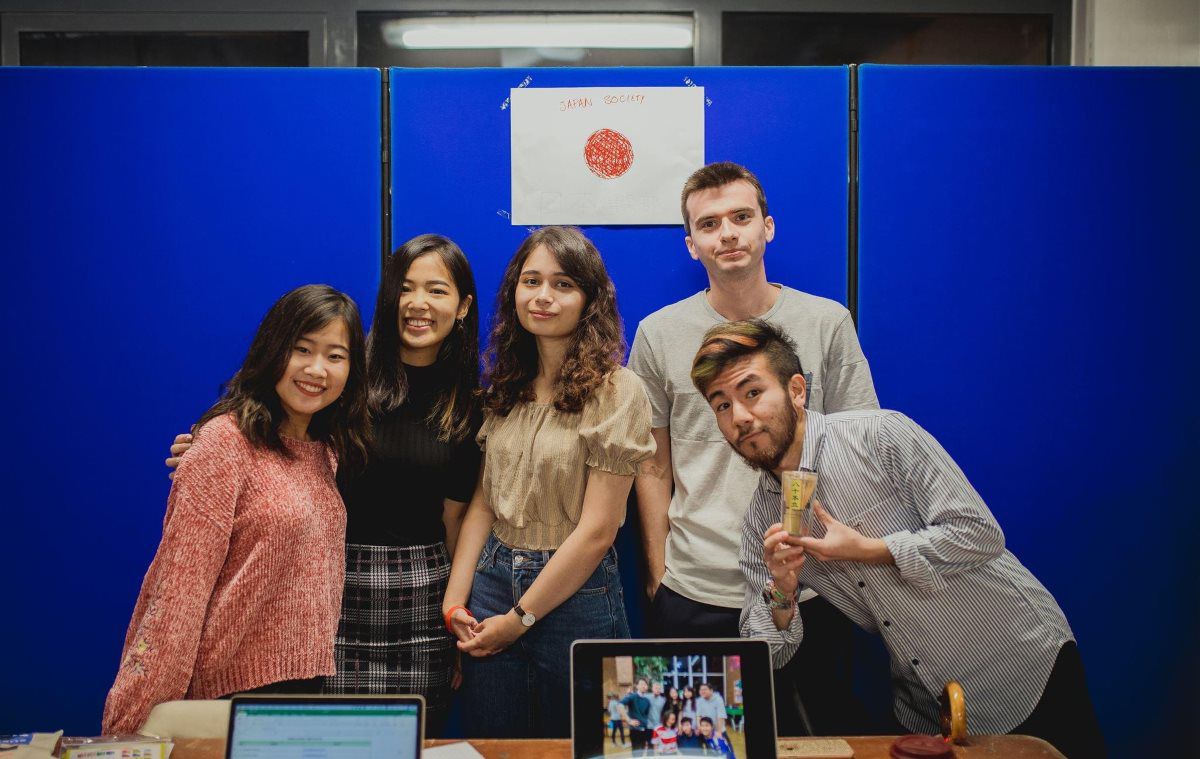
<point>404,511</point>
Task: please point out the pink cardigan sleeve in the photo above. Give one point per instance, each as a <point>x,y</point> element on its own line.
<point>159,655</point>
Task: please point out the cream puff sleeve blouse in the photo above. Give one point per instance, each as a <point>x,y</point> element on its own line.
<point>537,459</point>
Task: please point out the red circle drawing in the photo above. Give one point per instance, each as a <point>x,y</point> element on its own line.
<point>608,153</point>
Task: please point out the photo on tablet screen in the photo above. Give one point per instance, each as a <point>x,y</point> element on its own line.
<point>681,705</point>
<point>676,697</point>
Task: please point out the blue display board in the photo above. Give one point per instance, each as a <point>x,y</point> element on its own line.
<point>450,172</point>
<point>149,219</point>
<point>1028,252</point>
<point>451,175</point>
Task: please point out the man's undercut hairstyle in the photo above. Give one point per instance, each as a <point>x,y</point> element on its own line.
<point>729,343</point>
<point>717,175</point>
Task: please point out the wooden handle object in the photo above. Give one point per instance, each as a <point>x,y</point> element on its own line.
<point>954,712</point>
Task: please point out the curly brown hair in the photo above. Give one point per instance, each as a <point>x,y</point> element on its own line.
<point>596,348</point>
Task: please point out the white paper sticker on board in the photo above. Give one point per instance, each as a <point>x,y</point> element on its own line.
<point>604,155</point>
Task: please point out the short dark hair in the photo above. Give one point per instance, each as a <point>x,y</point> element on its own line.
<point>706,719</point>
<point>686,719</point>
<point>718,175</point>
<point>728,343</point>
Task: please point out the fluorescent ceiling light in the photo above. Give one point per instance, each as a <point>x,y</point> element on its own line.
<point>541,31</point>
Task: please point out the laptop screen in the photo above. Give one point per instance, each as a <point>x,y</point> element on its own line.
<point>282,730</point>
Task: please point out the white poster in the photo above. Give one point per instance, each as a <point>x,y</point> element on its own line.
<point>601,155</point>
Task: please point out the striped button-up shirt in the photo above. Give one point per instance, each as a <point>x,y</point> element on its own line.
<point>955,606</point>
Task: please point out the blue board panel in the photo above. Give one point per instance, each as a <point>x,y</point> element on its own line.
<point>450,172</point>
<point>451,175</point>
<point>1028,255</point>
<point>149,219</point>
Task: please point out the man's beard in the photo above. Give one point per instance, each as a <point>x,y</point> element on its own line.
<point>781,437</point>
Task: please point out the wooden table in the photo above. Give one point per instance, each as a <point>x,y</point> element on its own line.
<point>869,747</point>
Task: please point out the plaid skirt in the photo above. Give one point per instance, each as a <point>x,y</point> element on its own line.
<point>391,637</point>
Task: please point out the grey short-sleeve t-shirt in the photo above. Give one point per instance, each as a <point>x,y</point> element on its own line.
<point>713,485</point>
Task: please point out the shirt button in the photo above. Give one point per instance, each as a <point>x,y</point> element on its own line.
<point>886,623</point>
<point>916,662</point>
<point>862,584</point>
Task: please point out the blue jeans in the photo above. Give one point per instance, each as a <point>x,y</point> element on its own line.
<point>525,690</point>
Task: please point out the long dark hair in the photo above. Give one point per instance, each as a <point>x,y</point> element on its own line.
<point>459,352</point>
<point>687,702</point>
<point>597,345</point>
<point>250,395</point>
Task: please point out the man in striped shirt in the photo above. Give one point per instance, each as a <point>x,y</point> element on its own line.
<point>903,545</point>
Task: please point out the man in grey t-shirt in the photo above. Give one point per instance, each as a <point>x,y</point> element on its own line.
<point>657,702</point>
<point>692,534</point>
<point>711,705</point>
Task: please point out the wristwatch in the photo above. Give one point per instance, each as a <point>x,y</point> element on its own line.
<point>527,619</point>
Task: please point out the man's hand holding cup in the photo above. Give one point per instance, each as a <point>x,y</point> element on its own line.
<point>783,558</point>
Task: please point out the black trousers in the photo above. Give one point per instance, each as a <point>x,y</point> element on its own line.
<point>617,726</point>
<point>639,740</point>
<point>1065,717</point>
<point>819,676</point>
<point>311,686</point>
<point>675,616</point>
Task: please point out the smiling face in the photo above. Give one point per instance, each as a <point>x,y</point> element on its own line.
<point>755,413</point>
<point>549,303</point>
<point>728,233</point>
<point>315,375</point>
<point>429,308</point>
<point>706,728</point>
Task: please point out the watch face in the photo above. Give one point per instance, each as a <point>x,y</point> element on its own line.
<point>528,620</point>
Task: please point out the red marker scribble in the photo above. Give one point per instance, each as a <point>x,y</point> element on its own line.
<point>608,153</point>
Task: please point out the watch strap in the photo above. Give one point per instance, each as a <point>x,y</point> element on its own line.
<point>526,618</point>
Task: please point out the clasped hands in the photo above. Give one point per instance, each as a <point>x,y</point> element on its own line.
<point>784,554</point>
<point>485,637</point>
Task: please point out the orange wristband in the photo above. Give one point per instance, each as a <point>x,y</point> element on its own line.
<point>450,613</point>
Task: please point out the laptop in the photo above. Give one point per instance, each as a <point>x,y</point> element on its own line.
<point>325,727</point>
<point>731,714</point>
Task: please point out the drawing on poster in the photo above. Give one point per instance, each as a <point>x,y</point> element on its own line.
<point>597,155</point>
<point>608,153</point>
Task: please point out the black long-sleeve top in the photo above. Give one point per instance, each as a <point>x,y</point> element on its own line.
<point>398,499</point>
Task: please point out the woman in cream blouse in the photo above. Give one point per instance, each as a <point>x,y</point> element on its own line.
<point>566,427</point>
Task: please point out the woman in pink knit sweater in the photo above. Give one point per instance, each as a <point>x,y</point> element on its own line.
<point>245,589</point>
